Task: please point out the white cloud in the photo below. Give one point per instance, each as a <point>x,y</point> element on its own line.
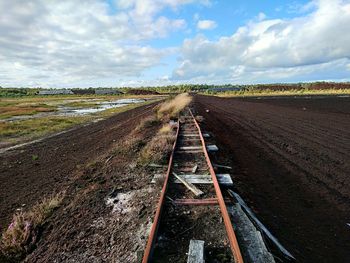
<point>83,43</point>
<point>261,16</point>
<point>286,47</point>
<point>206,24</point>
<point>56,43</point>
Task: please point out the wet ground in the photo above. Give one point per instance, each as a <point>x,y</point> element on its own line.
<point>67,111</point>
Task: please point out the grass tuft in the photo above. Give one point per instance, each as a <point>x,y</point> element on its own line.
<point>166,129</point>
<point>21,235</point>
<point>147,123</point>
<point>130,144</point>
<point>158,149</point>
<point>171,109</point>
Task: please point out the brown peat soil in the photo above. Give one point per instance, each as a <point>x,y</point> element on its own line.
<point>291,159</point>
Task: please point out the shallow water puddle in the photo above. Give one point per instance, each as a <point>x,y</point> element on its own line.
<point>74,111</point>
<point>102,106</point>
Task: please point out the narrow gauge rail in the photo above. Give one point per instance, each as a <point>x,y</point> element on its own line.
<point>189,159</point>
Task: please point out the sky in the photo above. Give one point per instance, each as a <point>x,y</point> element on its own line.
<point>111,43</point>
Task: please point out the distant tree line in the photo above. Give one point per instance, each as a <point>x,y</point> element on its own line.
<point>205,88</point>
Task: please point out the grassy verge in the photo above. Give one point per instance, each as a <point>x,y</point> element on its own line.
<point>9,110</point>
<point>37,127</point>
<point>296,92</point>
<point>22,234</point>
<point>171,108</point>
<point>157,150</point>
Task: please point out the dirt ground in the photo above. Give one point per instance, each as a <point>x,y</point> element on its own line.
<point>109,203</point>
<point>290,159</point>
<point>291,165</point>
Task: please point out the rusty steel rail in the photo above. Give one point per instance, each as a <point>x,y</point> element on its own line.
<point>153,234</point>
<point>227,221</point>
<point>147,256</point>
<point>206,201</point>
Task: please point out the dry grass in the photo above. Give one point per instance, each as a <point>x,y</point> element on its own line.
<point>158,149</point>
<point>170,109</point>
<point>17,110</point>
<point>131,143</point>
<point>166,129</point>
<point>147,123</point>
<point>21,235</point>
<point>160,181</point>
<point>37,127</point>
<point>134,142</point>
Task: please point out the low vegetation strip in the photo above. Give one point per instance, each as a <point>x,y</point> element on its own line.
<point>22,234</point>
<point>159,148</point>
<point>272,92</point>
<point>171,108</point>
<point>7,111</point>
<point>12,132</point>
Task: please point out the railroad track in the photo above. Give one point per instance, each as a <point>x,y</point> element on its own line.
<point>191,205</point>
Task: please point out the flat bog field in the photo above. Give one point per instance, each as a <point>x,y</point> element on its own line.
<point>177,131</point>
<point>291,159</point>
<point>288,158</point>
<point>23,119</point>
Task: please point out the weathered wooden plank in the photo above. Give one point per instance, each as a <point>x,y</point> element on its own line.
<point>157,165</point>
<point>250,240</point>
<point>212,148</point>
<point>222,166</point>
<point>205,201</point>
<point>189,169</point>
<point>190,135</point>
<point>260,225</point>
<point>194,169</point>
<point>189,185</point>
<point>196,251</point>
<point>223,179</point>
<point>189,151</point>
<point>185,148</point>
<point>189,139</point>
